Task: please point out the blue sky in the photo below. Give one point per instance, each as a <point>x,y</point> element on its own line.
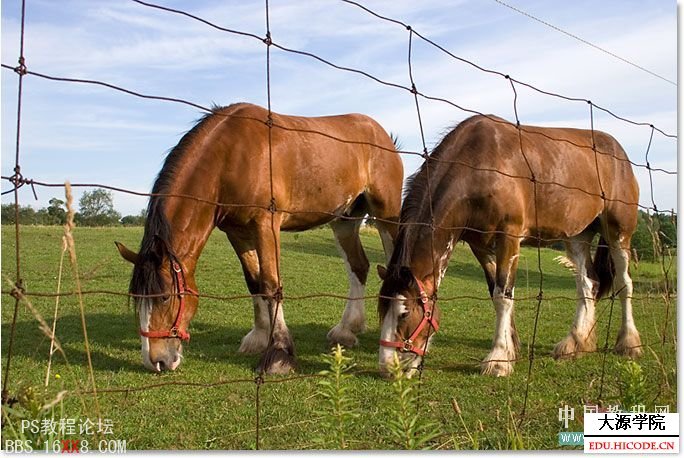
<point>88,134</point>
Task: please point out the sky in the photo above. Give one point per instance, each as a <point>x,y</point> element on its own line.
<point>90,134</point>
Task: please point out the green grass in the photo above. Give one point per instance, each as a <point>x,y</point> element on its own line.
<point>224,416</point>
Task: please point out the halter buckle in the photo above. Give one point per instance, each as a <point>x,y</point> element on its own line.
<point>427,314</point>
<point>174,332</point>
<point>407,346</point>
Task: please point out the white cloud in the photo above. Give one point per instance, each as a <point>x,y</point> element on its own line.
<point>161,53</point>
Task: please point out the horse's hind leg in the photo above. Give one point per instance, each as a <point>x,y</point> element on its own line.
<point>582,336</point>
<point>500,360</point>
<point>384,204</point>
<point>256,340</point>
<point>628,341</point>
<point>353,318</point>
<point>279,357</point>
<point>487,260</point>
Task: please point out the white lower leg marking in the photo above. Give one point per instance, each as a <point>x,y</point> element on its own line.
<point>256,340</point>
<point>353,318</point>
<point>503,338</point>
<point>500,359</point>
<point>279,324</point>
<point>623,284</point>
<point>629,341</point>
<point>584,316</point>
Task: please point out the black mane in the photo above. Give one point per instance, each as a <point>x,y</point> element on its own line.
<point>157,239</point>
<point>415,207</point>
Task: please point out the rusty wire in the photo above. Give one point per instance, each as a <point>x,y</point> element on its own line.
<point>18,285</point>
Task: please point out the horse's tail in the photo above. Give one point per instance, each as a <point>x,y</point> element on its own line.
<point>604,268</point>
<point>396,141</point>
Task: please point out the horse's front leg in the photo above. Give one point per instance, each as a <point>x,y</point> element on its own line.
<point>279,357</point>
<point>256,340</point>
<point>506,344</point>
<point>582,336</point>
<point>353,320</point>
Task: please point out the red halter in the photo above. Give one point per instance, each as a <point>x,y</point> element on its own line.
<point>428,318</point>
<point>175,332</point>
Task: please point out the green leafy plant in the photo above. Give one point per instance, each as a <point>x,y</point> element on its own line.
<point>411,430</point>
<point>33,408</point>
<point>632,384</point>
<point>339,409</point>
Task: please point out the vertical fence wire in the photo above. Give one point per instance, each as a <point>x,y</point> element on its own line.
<point>540,294</point>
<point>18,286</point>
<point>648,167</point>
<point>604,356</point>
<point>272,210</point>
<point>426,156</point>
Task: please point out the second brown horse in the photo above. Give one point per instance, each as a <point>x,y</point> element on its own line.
<point>496,186</point>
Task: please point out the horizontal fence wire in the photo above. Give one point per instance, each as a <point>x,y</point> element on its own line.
<point>19,292</point>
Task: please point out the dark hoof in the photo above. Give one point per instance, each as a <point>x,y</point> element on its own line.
<point>277,361</point>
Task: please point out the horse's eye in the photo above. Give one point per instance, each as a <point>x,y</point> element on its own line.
<point>165,299</point>
<point>402,316</point>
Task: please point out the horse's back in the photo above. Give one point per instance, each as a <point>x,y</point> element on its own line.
<point>515,176</point>
<point>313,164</point>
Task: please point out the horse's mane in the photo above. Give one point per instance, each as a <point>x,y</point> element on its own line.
<point>416,201</point>
<point>157,238</point>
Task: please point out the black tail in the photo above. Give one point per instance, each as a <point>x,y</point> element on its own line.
<point>396,141</point>
<point>604,268</point>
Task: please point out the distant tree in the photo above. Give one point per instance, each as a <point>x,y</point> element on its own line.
<point>7,214</point>
<point>42,217</point>
<point>654,233</point>
<point>27,215</point>
<point>135,220</point>
<point>96,208</point>
<point>56,213</point>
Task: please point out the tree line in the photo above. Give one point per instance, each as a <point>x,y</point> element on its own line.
<point>655,234</point>
<point>95,208</point>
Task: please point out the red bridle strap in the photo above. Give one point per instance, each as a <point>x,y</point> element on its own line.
<point>428,319</point>
<point>175,332</point>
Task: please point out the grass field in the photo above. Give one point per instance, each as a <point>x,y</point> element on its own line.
<point>224,416</point>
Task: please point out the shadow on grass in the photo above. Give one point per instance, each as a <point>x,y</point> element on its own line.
<point>108,334</point>
<point>115,346</point>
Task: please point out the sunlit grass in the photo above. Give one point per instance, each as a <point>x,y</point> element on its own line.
<point>224,416</point>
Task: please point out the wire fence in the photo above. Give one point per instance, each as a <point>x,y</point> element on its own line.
<point>21,295</point>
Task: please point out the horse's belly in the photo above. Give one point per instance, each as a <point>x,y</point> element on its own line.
<point>299,218</point>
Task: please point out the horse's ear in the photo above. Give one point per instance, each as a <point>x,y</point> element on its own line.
<point>159,247</point>
<point>382,272</point>
<point>128,255</point>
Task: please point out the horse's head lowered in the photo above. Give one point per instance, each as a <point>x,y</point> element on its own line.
<point>408,319</point>
<point>165,303</point>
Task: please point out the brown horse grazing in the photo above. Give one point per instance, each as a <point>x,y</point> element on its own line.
<point>219,175</point>
<point>481,190</point>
